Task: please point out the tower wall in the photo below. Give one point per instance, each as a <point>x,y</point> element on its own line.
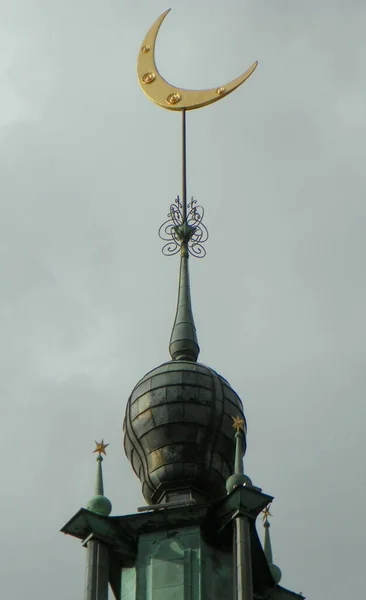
<point>178,565</point>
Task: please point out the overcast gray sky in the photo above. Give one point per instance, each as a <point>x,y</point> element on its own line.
<point>88,168</point>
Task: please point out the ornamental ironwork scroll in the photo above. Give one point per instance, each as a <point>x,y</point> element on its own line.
<point>190,230</point>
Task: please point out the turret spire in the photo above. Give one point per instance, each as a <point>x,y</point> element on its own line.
<point>238,478</point>
<point>242,546</point>
<point>267,538</point>
<point>99,488</point>
<point>99,503</point>
<point>183,341</point>
<point>275,571</point>
<point>238,425</point>
<point>97,560</point>
<point>184,232</point>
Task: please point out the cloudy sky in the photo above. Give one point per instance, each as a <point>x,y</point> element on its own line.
<point>88,168</point>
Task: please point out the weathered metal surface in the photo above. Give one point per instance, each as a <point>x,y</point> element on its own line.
<point>183,341</point>
<point>178,430</point>
<point>178,565</point>
<point>243,560</point>
<point>97,571</point>
<point>128,537</point>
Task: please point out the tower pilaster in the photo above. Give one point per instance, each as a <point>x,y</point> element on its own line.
<point>97,569</point>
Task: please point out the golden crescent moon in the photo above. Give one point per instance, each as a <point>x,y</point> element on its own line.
<point>168,96</point>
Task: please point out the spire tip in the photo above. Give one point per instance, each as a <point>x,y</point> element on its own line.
<point>100,504</point>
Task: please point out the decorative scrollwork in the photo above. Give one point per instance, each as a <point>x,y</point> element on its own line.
<point>190,231</point>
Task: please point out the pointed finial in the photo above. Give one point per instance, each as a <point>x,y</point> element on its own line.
<point>184,232</point>
<point>99,503</point>
<point>183,343</point>
<point>239,427</point>
<point>275,571</point>
<point>238,478</point>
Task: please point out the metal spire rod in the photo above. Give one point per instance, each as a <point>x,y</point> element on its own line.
<point>184,167</point>
<point>184,228</point>
<point>183,341</point>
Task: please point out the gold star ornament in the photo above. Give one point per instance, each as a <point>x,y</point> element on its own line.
<point>238,424</point>
<point>100,447</point>
<point>266,514</point>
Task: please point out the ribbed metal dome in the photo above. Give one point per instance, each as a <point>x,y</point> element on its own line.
<point>178,431</point>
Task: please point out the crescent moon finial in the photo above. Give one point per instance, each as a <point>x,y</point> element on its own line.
<point>167,95</point>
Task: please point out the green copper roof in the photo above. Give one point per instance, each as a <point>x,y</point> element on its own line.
<point>100,505</point>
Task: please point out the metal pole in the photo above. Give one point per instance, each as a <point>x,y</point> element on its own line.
<point>97,573</point>
<point>243,575</point>
<point>184,166</point>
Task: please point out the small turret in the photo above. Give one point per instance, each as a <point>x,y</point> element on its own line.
<point>275,571</point>
<point>238,478</point>
<point>99,503</point>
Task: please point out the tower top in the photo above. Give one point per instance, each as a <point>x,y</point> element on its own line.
<point>178,423</point>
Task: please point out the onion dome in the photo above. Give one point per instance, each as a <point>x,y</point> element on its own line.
<point>178,431</point>
<point>178,422</point>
